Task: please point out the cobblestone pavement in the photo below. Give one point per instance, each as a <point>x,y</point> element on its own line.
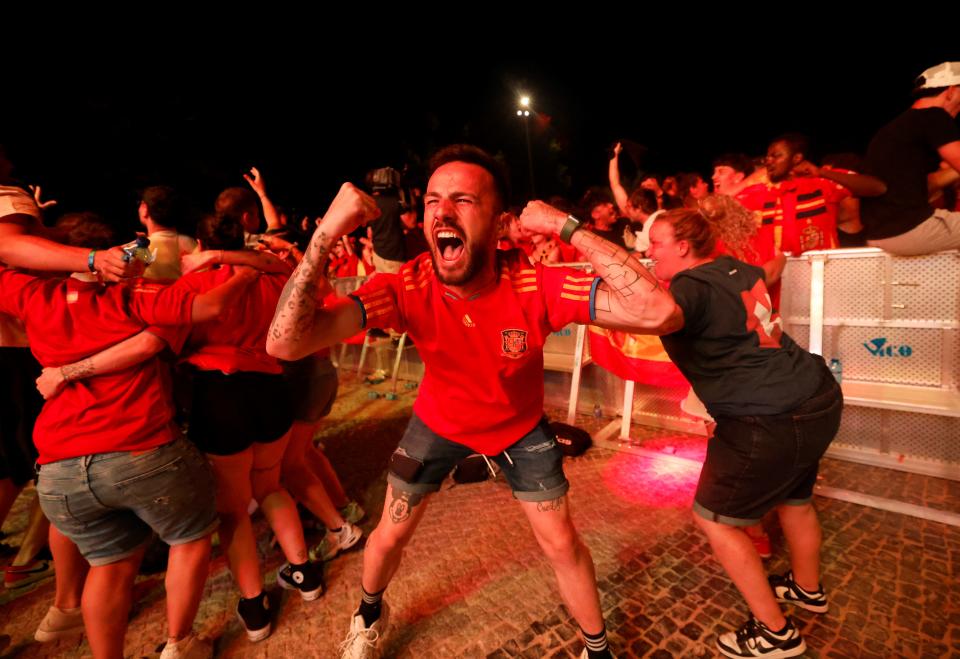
<point>474,583</point>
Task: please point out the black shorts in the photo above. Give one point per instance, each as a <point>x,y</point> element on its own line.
<point>755,463</point>
<point>313,387</point>
<point>20,404</point>
<point>231,412</point>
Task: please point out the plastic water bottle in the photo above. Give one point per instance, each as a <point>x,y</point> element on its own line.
<point>837,369</point>
<point>139,249</point>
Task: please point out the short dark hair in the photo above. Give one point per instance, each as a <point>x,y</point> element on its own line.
<point>739,162</point>
<point>163,204</point>
<point>236,201</point>
<point>220,232</point>
<point>686,180</point>
<point>85,229</point>
<point>798,142</point>
<point>595,196</point>
<point>644,199</point>
<point>475,156</point>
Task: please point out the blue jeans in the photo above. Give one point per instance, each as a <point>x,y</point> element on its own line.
<point>109,504</point>
<point>534,468</point>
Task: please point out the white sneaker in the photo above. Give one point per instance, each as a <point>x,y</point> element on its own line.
<point>189,647</point>
<point>59,623</point>
<point>363,642</point>
<point>335,542</point>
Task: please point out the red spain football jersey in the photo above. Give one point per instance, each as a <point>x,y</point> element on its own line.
<point>483,385</point>
<point>797,215</point>
<point>238,340</point>
<point>68,320</point>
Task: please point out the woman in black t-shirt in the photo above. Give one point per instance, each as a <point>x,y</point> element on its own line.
<point>777,409</point>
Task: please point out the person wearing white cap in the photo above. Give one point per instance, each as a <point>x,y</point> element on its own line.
<point>903,153</point>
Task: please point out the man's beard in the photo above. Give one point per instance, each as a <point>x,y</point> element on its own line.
<point>476,261</point>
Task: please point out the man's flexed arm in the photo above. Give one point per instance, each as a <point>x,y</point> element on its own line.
<point>300,325</point>
<point>629,298</point>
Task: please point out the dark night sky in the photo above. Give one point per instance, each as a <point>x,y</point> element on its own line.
<point>102,124</point>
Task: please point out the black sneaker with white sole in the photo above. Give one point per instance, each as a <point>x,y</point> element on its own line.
<point>786,590</point>
<point>755,639</point>
<point>306,578</point>
<point>254,613</point>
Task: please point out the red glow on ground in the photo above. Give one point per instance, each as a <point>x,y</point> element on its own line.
<point>651,482</point>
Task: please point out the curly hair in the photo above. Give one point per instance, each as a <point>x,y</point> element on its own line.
<point>731,223</point>
<point>719,217</point>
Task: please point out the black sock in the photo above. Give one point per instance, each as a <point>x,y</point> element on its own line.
<point>370,606</point>
<point>597,647</point>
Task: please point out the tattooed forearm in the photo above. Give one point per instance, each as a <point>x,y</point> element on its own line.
<point>297,307</point>
<point>554,505</point>
<point>402,505</point>
<point>614,264</point>
<point>78,370</point>
<point>630,297</point>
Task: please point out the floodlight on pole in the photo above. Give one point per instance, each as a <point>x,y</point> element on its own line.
<point>524,111</point>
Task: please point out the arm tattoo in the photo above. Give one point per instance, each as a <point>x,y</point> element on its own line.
<point>402,505</point>
<point>554,505</point>
<point>627,286</point>
<point>78,371</point>
<point>614,264</point>
<point>297,306</point>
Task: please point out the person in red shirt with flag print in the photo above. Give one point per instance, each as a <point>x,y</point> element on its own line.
<point>798,205</point>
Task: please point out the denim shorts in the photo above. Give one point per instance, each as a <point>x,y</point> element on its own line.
<point>755,463</point>
<point>109,504</point>
<point>534,469</point>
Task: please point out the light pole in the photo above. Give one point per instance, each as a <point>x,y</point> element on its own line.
<point>524,111</point>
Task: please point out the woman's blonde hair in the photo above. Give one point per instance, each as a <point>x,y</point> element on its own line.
<point>719,217</point>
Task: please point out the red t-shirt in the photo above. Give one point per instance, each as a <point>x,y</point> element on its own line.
<point>238,340</point>
<point>798,214</point>
<point>68,320</point>
<point>483,385</point>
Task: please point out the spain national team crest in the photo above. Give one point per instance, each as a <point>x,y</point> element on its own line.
<point>513,342</point>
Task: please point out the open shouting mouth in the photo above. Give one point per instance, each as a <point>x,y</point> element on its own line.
<point>450,245</point>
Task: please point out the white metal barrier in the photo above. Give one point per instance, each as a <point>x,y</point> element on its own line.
<point>894,324</point>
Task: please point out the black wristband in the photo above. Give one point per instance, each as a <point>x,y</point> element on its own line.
<point>571,225</point>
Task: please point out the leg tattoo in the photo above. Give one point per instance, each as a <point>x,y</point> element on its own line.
<point>402,505</point>
<point>554,505</point>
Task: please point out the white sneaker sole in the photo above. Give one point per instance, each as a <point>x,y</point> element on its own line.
<point>42,636</point>
<point>311,595</point>
<point>256,635</point>
<point>773,654</point>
